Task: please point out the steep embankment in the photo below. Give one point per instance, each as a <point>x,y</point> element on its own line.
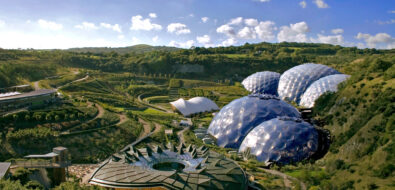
<point>361,118</point>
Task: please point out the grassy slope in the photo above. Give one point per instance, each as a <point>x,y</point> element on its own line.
<point>361,119</point>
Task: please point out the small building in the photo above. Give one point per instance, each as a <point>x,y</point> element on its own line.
<point>168,131</point>
<point>16,100</point>
<point>4,170</point>
<point>186,123</point>
<point>57,160</point>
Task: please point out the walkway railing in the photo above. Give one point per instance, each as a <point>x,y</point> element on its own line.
<point>41,164</point>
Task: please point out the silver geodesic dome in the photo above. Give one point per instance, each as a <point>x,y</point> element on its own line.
<point>295,81</point>
<point>321,86</point>
<point>235,120</point>
<point>265,82</point>
<point>281,140</point>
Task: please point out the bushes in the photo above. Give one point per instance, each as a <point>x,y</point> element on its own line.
<point>384,170</point>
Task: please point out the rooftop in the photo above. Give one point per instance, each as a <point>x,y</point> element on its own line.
<point>4,166</point>
<point>29,94</point>
<point>170,166</point>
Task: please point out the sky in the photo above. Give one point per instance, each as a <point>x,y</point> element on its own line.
<point>62,24</point>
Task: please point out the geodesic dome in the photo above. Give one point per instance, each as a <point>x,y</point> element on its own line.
<point>321,86</point>
<point>296,80</point>
<point>235,120</point>
<point>265,82</point>
<point>281,140</point>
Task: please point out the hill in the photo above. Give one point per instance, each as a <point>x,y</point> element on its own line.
<point>360,115</point>
<point>138,49</point>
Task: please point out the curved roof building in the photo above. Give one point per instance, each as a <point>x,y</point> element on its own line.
<point>194,105</point>
<point>281,140</point>
<point>296,80</point>
<point>169,167</point>
<point>239,117</point>
<point>265,82</point>
<point>321,86</point>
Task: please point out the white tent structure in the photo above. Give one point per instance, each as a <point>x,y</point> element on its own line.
<point>194,105</point>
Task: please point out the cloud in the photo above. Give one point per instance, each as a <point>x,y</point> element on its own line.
<point>2,23</point>
<point>334,39</point>
<point>229,42</point>
<point>121,36</point>
<point>152,15</point>
<point>86,26</point>
<point>226,29</point>
<point>303,4</point>
<point>114,27</point>
<point>380,40</point>
<point>49,25</point>
<point>19,38</point>
<point>391,12</point>
<point>392,21</point>
<point>251,29</point>
<point>337,31</point>
<point>265,30</point>
<point>138,23</point>
<point>247,33</point>
<point>293,33</point>
<point>205,39</point>
<point>321,4</point>
<point>204,19</point>
<point>236,21</point>
<point>155,38</point>
<point>186,44</point>
<point>264,1</point>
<point>178,28</point>
<point>251,21</point>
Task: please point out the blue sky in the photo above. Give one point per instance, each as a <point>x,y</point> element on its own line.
<point>44,24</point>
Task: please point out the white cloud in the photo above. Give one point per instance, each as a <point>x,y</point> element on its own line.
<point>2,23</point>
<point>229,42</point>
<point>178,28</point>
<point>204,19</point>
<point>135,41</point>
<point>49,25</point>
<point>263,1</point>
<point>236,21</point>
<point>114,27</point>
<point>303,4</point>
<point>121,36</point>
<point>152,15</point>
<point>191,15</point>
<point>294,33</point>
<point>247,33</point>
<point>186,44</point>
<point>392,21</point>
<point>19,38</point>
<point>205,39</point>
<point>251,21</point>
<point>155,38</point>
<point>226,29</point>
<point>392,12</point>
<point>86,26</point>
<point>265,30</point>
<point>337,31</point>
<point>138,23</point>
<point>321,4</point>
<point>331,39</point>
<point>380,40</point>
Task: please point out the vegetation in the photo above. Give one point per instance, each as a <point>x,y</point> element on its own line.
<point>360,115</point>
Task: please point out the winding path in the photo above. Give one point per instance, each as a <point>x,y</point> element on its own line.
<point>156,107</point>
<point>180,134</point>
<point>287,178</point>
